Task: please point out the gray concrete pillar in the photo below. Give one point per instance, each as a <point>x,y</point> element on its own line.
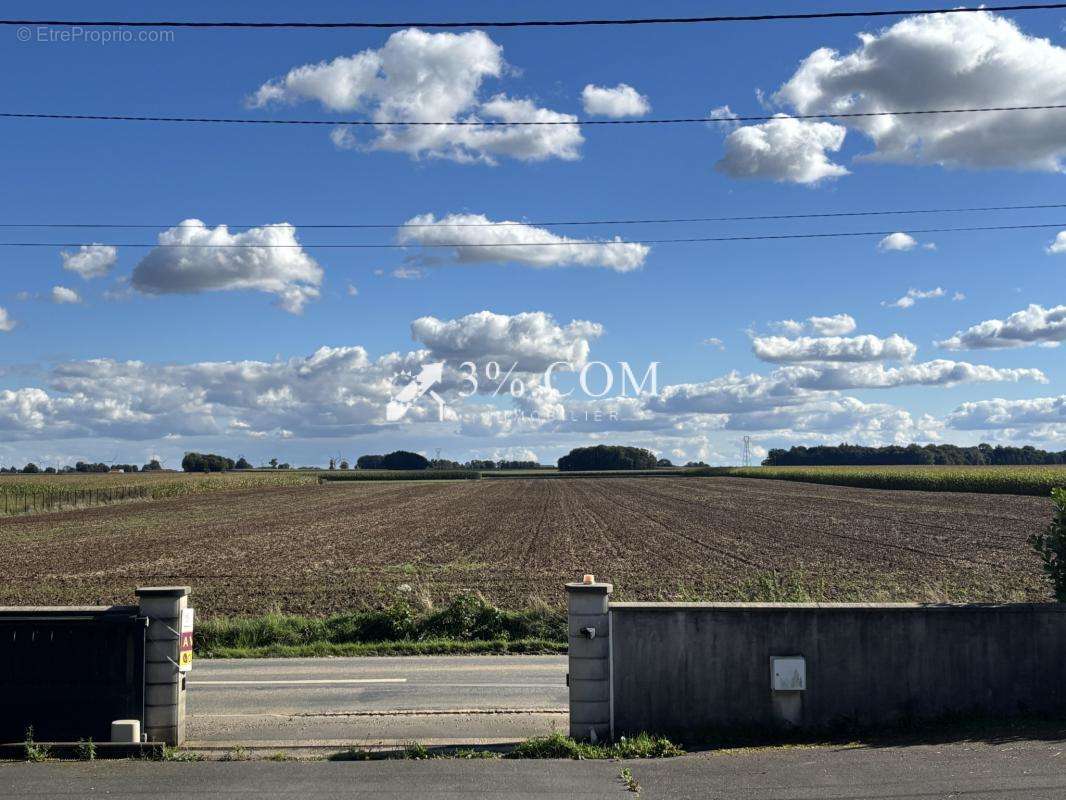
<point>590,660</point>
<point>164,689</point>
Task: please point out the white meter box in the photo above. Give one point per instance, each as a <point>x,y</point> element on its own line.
<point>788,673</point>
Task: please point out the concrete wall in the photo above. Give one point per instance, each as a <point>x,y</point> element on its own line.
<point>690,669</point>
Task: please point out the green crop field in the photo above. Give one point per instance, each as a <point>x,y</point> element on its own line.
<point>24,494</point>
<point>1031,480</point>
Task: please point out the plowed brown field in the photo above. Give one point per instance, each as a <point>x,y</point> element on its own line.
<point>353,545</point>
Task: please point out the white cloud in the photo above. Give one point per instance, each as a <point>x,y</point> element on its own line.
<point>477,239</point>
<point>847,417</point>
<point>779,349</point>
<point>352,290</point>
<point>1059,245</point>
<point>940,372</point>
<point>999,413</point>
<point>835,325</point>
<point>1034,325</point>
<point>944,61</point>
<point>958,297</point>
<point>615,102</point>
<point>61,294</point>
<point>6,323</point>
<point>429,77</point>
<point>91,260</point>
<point>531,339</point>
<point>715,342</point>
<point>898,242</point>
<point>407,273</point>
<point>333,392</point>
<point>912,296</point>
<point>783,149</point>
<point>193,258</point>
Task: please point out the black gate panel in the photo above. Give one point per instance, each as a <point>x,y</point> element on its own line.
<point>69,673</point>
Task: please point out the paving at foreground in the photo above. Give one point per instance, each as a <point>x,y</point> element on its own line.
<point>1015,770</point>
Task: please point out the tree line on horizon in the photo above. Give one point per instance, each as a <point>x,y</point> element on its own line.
<point>847,455</point>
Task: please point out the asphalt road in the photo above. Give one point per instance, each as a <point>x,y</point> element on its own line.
<point>1016,770</point>
<point>333,702</point>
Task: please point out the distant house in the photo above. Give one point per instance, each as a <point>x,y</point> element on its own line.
<point>119,470</point>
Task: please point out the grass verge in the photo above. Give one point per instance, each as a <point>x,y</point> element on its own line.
<point>555,746</point>
<point>468,624</point>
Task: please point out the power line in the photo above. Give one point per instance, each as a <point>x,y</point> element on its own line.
<point>504,124</point>
<point>544,223</point>
<point>558,23</point>
<point>567,243</point>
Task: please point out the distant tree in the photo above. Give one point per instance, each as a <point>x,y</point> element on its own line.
<point>333,463</point>
<point>243,463</point>
<point>604,456</point>
<point>152,466</point>
<point>664,462</point>
<point>370,462</point>
<point>517,465</point>
<point>31,469</point>
<point>402,459</point>
<point>344,464</point>
<point>444,463</point>
<point>481,464</point>
<point>913,454</point>
<point>285,465</point>
<point>206,462</point>
<point>50,470</point>
<point>696,464</point>
<point>273,463</point>
<point>82,466</point>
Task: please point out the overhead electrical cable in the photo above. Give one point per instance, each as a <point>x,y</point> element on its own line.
<point>534,23</point>
<point>564,243</point>
<point>542,223</point>
<point>512,123</point>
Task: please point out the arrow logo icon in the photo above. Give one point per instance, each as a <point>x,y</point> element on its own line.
<point>423,383</point>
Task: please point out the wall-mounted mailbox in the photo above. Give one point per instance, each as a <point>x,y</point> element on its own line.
<point>788,673</point>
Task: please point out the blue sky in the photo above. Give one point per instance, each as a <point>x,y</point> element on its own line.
<point>137,368</point>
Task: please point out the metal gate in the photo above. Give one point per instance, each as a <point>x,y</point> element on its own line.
<point>68,672</point>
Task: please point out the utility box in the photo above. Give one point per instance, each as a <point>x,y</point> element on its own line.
<point>788,673</point>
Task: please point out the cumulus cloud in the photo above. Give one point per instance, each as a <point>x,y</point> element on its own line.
<point>780,349</point>
<point>429,77</point>
<point>835,325</point>
<point>615,102</point>
<point>999,413</point>
<point>61,294</point>
<point>940,372</point>
<point>914,295</point>
<point>897,242</point>
<point>1033,325</point>
<point>944,61</point>
<point>473,239</point>
<point>873,423</point>
<point>192,258</point>
<point>91,260</point>
<point>1059,245</point>
<point>783,149</point>
<point>6,323</point>
<point>531,339</point>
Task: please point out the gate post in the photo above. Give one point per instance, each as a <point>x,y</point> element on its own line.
<point>589,677</point>
<point>164,684</point>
